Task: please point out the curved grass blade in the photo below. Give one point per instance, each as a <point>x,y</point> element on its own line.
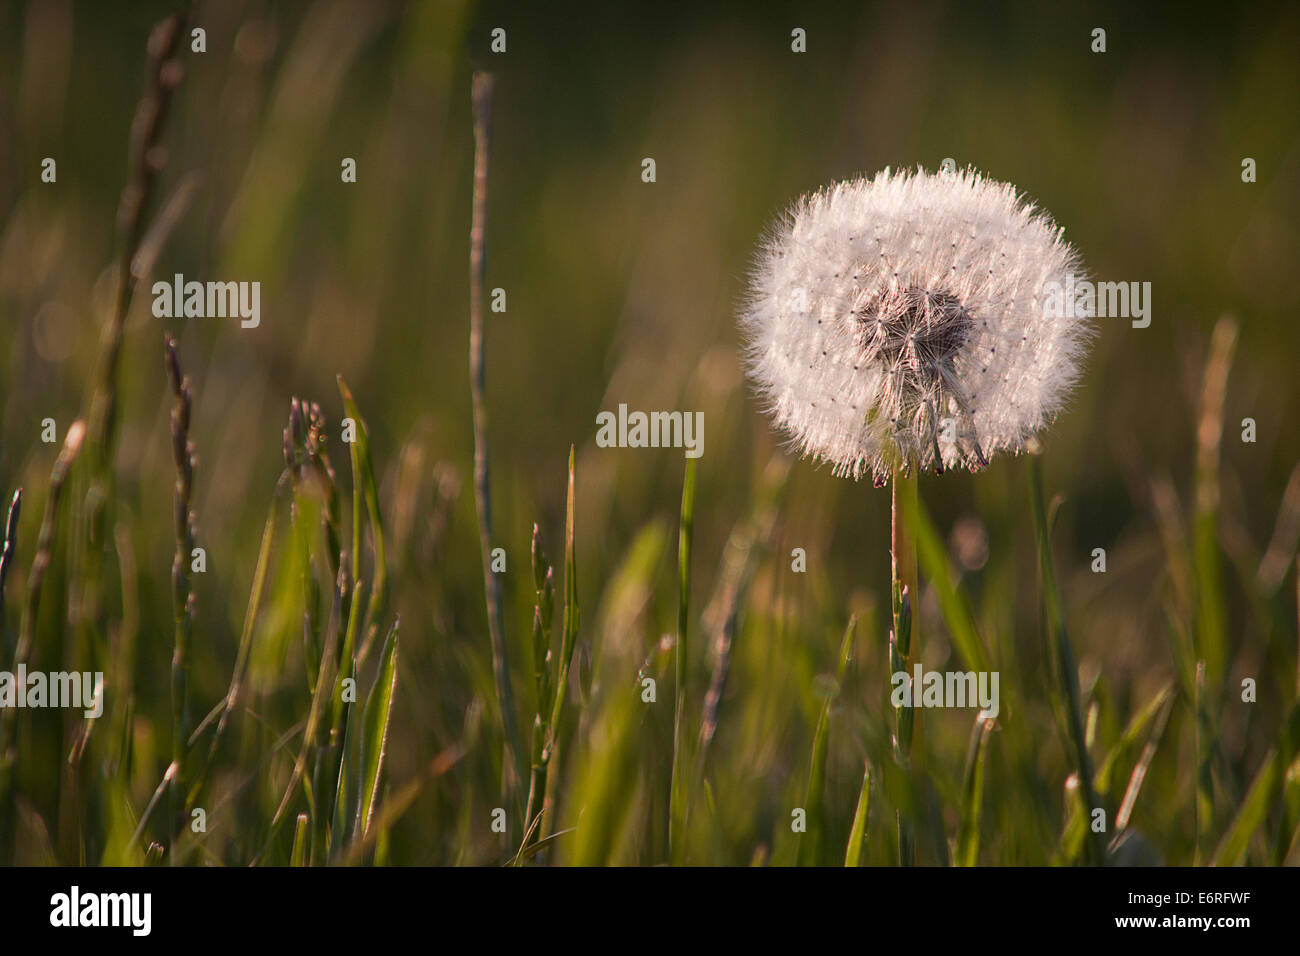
<point>1157,709</point>
<point>933,559</point>
<point>365,486</point>
<point>858,833</point>
<point>1139,774</point>
<point>1289,832</point>
<point>972,796</point>
<point>221,713</point>
<point>1265,791</point>
<point>398,803</point>
<point>299,855</point>
<point>374,739</point>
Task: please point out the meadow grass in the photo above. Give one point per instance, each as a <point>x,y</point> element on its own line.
<point>346,681</point>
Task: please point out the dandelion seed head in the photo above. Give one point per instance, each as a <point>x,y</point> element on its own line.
<point>901,321</point>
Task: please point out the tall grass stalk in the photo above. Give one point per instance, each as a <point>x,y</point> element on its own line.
<point>146,160</point>
<point>182,594</point>
<point>347,798</point>
<point>1211,630</point>
<point>568,641</point>
<point>366,489</point>
<point>90,517</point>
<point>544,687</point>
<point>482,104</point>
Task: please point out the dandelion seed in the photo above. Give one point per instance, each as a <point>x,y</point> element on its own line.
<point>932,351</point>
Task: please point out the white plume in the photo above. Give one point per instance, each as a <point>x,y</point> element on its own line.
<point>901,321</point>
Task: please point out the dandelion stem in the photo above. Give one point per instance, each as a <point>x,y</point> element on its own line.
<point>905,644</point>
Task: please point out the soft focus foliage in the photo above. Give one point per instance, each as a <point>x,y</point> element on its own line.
<point>624,291</point>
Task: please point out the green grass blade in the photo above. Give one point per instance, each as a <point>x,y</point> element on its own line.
<point>320,699</point>
<point>1265,790</point>
<point>933,558</point>
<point>1139,774</point>
<point>1157,709</point>
<point>298,856</point>
<point>337,744</point>
<point>364,485</point>
<point>1231,850</point>
<point>972,796</point>
<point>610,779</point>
<point>1058,641</point>
<point>749,540</point>
<point>858,832</point>
<point>374,740</point>
<point>1204,800</point>
<point>677,787</point>
<point>222,713</point>
<point>811,844</point>
<point>569,637</point>
<point>1289,831</point>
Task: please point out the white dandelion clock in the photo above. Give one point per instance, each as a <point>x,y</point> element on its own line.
<point>907,320</point>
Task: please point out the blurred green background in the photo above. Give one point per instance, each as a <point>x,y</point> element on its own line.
<point>624,291</point>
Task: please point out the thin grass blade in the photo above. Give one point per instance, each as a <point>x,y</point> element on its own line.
<point>378,713</point>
